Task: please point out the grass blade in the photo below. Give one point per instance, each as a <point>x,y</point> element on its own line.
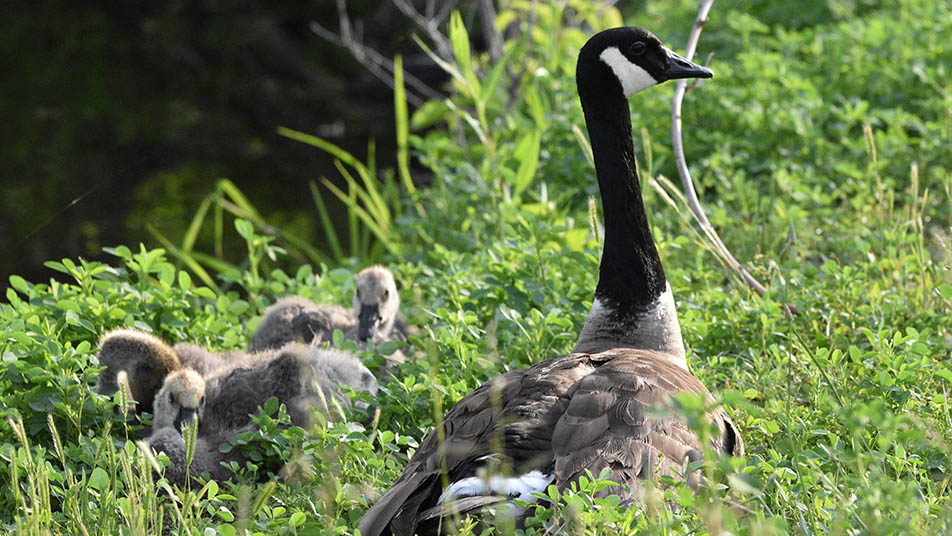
<point>403,122</point>
<point>329,230</point>
<point>191,234</point>
<point>327,147</point>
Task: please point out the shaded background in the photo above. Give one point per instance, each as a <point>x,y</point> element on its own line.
<point>118,114</point>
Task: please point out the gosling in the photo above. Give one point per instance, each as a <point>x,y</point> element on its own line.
<point>178,404</point>
<point>300,376</point>
<point>297,319</point>
<point>231,395</point>
<point>206,456</point>
<point>375,316</point>
<point>142,358</point>
<point>377,307</point>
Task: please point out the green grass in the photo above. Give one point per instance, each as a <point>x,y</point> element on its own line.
<point>821,153</point>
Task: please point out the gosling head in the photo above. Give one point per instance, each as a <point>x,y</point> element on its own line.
<point>376,302</point>
<point>631,59</point>
<point>144,359</point>
<point>180,401</point>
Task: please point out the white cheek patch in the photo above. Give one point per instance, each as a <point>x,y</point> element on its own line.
<point>632,77</point>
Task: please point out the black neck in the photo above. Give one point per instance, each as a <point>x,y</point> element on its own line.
<point>631,277</point>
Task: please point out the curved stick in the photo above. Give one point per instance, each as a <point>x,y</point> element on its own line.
<point>686,182</point>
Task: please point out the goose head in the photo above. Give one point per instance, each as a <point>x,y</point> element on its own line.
<point>376,302</point>
<point>630,60</point>
<point>143,359</point>
<point>180,400</point>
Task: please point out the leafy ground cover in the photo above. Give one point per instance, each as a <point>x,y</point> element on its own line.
<point>821,152</point>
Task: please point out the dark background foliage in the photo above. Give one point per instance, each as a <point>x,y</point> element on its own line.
<point>118,114</point>
<point>114,114</point>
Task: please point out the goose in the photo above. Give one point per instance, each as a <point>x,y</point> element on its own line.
<point>552,422</point>
<point>206,456</point>
<point>377,307</point>
<point>144,360</point>
<point>297,319</point>
<point>300,376</point>
<point>177,403</point>
<point>375,317</point>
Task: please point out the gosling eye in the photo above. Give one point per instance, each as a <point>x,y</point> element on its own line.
<point>202,401</point>
<point>171,398</point>
<point>386,294</point>
<point>638,48</point>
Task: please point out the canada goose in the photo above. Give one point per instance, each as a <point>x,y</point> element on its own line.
<point>297,319</point>
<point>179,402</point>
<point>204,361</point>
<point>144,359</point>
<point>375,316</point>
<point>552,422</point>
<point>206,456</point>
<point>377,307</point>
<point>298,375</point>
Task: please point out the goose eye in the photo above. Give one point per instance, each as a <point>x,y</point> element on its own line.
<point>638,48</point>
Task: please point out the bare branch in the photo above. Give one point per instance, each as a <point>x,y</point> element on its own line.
<point>493,38</point>
<point>686,182</point>
<point>431,25</point>
<point>378,65</point>
<point>445,10</point>
<point>516,78</point>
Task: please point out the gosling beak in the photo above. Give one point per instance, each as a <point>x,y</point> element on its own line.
<point>185,416</point>
<point>682,68</point>
<point>368,319</point>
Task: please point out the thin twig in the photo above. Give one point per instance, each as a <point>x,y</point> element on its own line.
<point>378,65</point>
<point>430,25</point>
<point>516,78</point>
<point>686,182</point>
<point>487,16</point>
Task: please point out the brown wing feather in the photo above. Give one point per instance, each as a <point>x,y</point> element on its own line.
<point>569,414</point>
<point>608,423</point>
